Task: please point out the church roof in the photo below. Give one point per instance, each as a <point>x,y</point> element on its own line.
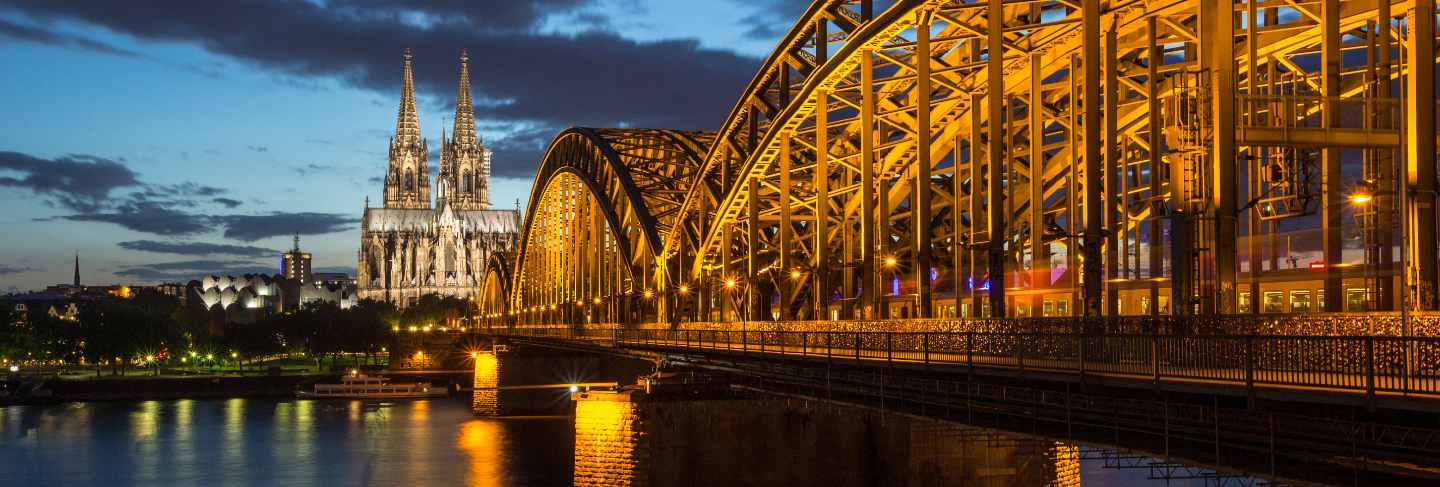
<point>405,219</point>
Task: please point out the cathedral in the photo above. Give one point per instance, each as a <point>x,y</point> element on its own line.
<point>411,247</point>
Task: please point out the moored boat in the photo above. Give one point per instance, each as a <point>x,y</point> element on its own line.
<point>356,385</point>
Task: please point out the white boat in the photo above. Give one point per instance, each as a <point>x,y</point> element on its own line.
<point>360,386</point>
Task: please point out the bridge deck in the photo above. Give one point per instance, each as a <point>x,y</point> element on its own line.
<point>1369,366</point>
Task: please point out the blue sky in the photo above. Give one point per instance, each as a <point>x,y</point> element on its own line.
<point>172,139</point>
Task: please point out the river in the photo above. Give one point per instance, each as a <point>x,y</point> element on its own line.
<point>248,442</point>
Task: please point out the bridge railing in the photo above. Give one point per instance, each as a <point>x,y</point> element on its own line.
<point>1367,364</point>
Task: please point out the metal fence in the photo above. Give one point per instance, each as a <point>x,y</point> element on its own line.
<point>1362,364</point>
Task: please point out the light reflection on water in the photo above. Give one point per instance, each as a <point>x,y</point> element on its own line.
<point>245,442</point>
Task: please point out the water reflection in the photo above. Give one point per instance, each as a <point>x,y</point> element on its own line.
<point>483,441</point>
<point>439,442</point>
<point>627,439</point>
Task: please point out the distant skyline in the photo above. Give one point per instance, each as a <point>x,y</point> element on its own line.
<point>173,139</point>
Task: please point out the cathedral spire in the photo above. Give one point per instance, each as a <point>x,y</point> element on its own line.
<point>407,123</point>
<point>464,132</point>
<point>407,182</point>
<point>77,268</point>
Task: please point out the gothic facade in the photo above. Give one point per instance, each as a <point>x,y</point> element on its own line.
<point>411,247</point>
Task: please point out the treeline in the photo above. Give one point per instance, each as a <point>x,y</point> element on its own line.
<point>155,328</point>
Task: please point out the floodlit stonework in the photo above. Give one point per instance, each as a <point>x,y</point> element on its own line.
<point>409,248</point>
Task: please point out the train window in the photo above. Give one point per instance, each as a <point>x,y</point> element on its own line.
<point>1300,301</point>
<point>1244,306</point>
<point>1274,302</point>
<point>1356,299</point>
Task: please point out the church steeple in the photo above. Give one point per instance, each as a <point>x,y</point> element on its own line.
<point>77,268</point>
<point>464,132</point>
<point>407,123</point>
<point>407,182</point>
<point>464,161</point>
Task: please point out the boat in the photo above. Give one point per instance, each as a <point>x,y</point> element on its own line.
<point>356,385</point>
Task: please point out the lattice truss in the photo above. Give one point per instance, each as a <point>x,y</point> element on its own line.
<point>952,150</point>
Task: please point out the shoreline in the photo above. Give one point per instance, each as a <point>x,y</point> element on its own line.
<point>52,391</point>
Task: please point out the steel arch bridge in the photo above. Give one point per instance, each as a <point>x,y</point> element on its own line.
<point>1008,158</point>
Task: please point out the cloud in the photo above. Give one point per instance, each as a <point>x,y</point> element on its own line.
<point>250,228</point>
<point>9,269</point>
<point>196,248</point>
<point>192,269</point>
<point>769,20</point>
<point>41,36</point>
<point>312,168</point>
<point>258,148</point>
<point>77,182</point>
<point>149,217</point>
<point>552,80</point>
<point>229,203</point>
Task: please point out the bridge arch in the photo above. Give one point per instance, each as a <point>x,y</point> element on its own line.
<point>493,304</point>
<point>602,201</point>
<point>925,158</point>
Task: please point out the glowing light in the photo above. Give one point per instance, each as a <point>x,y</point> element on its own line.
<point>597,300</point>
<point>729,284</point>
<point>684,289</point>
<point>890,262</point>
<point>794,274</point>
<point>574,388</point>
<point>1361,198</point>
<point>14,368</point>
<point>149,358</point>
<point>209,356</point>
<point>354,372</point>
<point>184,359</point>
<point>649,294</point>
<point>234,355</point>
<point>1317,266</point>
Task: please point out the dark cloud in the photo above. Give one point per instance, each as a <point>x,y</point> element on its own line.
<point>41,36</point>
<point>192,269</point>
<point>590,78</point>
<point>312,168</point>
<point>250,228</point>
<point>9,269</point>
<point>229,203</point>
<point>149,217</point>
<point>197,248</point>
<point>771,19</point>
<point>77,182</point>
<point>258,148</point>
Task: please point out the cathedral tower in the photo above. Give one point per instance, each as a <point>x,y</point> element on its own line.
<point>464,160</point>
<point>407,183</point>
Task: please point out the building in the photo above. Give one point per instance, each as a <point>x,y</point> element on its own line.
<point>409,247</point>
<point>296,264</point>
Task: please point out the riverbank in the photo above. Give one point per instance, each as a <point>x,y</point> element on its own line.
<point>37,391</point>
<point>53,389</point>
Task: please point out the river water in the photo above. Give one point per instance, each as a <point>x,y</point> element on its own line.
<point>247,442</point>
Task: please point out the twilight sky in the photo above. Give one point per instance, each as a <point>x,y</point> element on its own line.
<point>166,140</point>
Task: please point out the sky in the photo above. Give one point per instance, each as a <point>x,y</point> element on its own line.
<point>167,140</point>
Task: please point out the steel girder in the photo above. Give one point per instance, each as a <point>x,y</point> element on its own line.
<point>879,146</point>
